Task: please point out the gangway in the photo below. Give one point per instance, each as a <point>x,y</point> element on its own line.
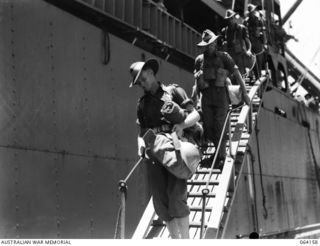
<point>208,220</point>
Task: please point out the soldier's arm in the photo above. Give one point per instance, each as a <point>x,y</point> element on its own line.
<point>233,69</point>
<point>140,141</point>
<point>180,97</point>
<point>247,40</point>
<point>240,81</point>
<point>141,146</point>
<point>197,66</point>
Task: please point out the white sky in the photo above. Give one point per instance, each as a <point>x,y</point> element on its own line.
<point>304,25</point>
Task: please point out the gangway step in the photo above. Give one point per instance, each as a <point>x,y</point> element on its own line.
<point>207,171</point>
<point>199,194</point>
<point>158,222</point>
<point>196,224</point>
<point>202,182</point>
<point>199,208</point>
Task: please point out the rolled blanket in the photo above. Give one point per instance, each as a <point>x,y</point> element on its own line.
<point>173,113</point>
<point>181,161</point>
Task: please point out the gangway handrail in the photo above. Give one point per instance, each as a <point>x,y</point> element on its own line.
<point>123,187</point>
<point>205,190</point>
<point>263,80</point>
<point>226,176</point>
<point>244,114</point>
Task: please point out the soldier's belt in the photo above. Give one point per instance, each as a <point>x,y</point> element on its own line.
<point>162,128</point>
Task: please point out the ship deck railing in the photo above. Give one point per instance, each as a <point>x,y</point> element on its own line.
<point>148,18</point>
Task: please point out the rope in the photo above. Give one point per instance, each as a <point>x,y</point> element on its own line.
<point>254,209</point>
<point>116,233</point>
<point>106,47</point>
<point>120,223</point>
<point>265,211</point>
<point>316,168</point>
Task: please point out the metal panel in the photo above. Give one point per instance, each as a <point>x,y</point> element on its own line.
<point>240,210</point>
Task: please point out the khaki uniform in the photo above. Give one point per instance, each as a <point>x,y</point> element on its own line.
<point>235,36</point>
<point>214,98</point>
<point>169,192</point>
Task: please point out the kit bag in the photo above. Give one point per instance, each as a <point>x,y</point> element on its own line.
<point>180,158</point>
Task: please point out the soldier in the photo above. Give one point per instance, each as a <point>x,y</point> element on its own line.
<point>169,192</point>
<point>212,69</point>
<point>254,24</point>
<point>237,42</point>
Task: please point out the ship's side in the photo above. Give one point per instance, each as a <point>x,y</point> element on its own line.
<point>279,189</point>
<point>68,129</point>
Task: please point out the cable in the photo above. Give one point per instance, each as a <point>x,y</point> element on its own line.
<point>265,211</point>
<point>106,47</point>
<point>316,168</point>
